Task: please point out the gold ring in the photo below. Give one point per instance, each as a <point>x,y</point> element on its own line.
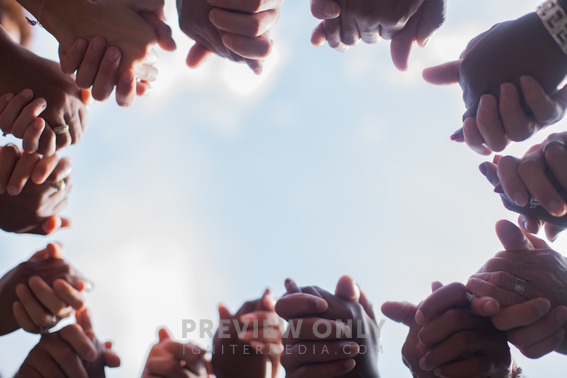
<point>520,286</point>
<point>59,185</point>
<point>61,129</point>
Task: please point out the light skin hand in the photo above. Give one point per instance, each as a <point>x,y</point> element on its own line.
<point>19,116</point>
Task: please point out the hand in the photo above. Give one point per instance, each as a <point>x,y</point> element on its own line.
<point>490,75</point>
<point>71,352</point>
<point>100,72</point>
<point>19,115</point>
<point>252,356</point>
<point>46,264</point>
<point>339,353</point>
<point>28,200</point>
<point>170,359</point>
<point>458,341</point>
<point>346,22</point>
<point>64,99</point>
<point>527,258</point>
<point>231,29</point>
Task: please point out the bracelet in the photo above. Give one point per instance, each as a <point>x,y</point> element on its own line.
<point>555,21</point>
<point>36,22</point>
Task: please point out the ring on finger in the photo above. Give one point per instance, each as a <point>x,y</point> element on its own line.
<point>519,286</point>
<point>45,330</point>
<point>551,144</point>
<point>59,185</point>
<point>59,130</point>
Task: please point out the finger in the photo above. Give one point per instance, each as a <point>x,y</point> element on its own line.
<point>333,34</point>
<point>556,158</point>
<point>89,67</point>
<point>44,168</point>
<point>191,354</point>
<point>473,137</point>
<point>432,18</point>
<point>511,181</point>
<point>34,309</point>
<point>9,156</point>
<point>522,315</point>
<point>443,74</point>
<point>13,110</point>
<point>545,346</point>
<point>22,172</point>
<point>143,88</point>
<point>317,329</point>
<point>224,312</point>
<point>48,297</point>
<point>111,359</point>
<point>318,37</point>
<point>27,116</point>
<point>248,25</point>
<point>165,367</point>
<point>448,323</point>
<point>402,42</point>
<point>325,9</point>
<point>163,31</point>
<point>489,124</point>
<point>106,75</point>
<point>249,6</point>
<point>511,237</point>
<point>291,286</point>
<point>251,48</point>
<point>126,89</point>
<point>326,370</point>
<point>545,110</point>
<point>485,306</point>
<point>518,126</point>
<point>347,289</point>
<point>69,294</point>
<point>163,335</point>
<point>475,366</point>
<point>484,289</point>
<point>32,135</point>
<point>47,142</point>
<point>503,280</point>
<point>490,171</point>
<point>297,305</point>
<point>146,73</point>
<point>5,100</point>
<point>61,171</point>
<point>198,54</point>
<point>366,305</point>
<point>79,341</point>
<point>349,30</point>
<point>529,224</point>
<point>45,365</point>
<point>401,312</point>
<point>453,295</point>
<point>315,352</point>
<point>85,321</point>
<point>22,318</point>
<point>71,59</point>
<point>552,231</point>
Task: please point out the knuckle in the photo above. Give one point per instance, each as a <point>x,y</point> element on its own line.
<point>526,167</point>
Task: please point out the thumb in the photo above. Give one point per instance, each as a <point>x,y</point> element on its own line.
<point>444,74</point>
<point>163,335</point>
<point>198,54</point>
<point>325,9</point>
<point>224,312</point>
<point>347,289</point>
<point>432,18</point>
<point>401,312</point>
<point>511,237</point>
<point>111,359</point>
<point>551,231</point>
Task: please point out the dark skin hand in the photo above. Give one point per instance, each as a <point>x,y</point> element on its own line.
<point>244,360</point>
<point>64,99</point>
<point>349,304</point>
<point>49,270</point>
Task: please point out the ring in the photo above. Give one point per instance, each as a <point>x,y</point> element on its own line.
<point>551,144</point>
<point>45,330</point>
<point>533,203</point>
<point>469,295</point>
<point>520,286</point>
<point>61,129</point>
<point>59,185</point>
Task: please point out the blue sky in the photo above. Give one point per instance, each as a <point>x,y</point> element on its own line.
<point>220,184</point>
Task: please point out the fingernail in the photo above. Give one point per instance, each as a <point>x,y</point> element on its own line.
<point>457,136</point>
<point>36,178</point>
<point>81,46</point>
<point>288,281</point>
<point>526,226</point>
<point>113,54</point>
<point>490,307</point>
<point>506,90</point>
<point>97,45</point>
<point>12,190</point>
<point>321,304</point>
<point>9,97</point>
<point>482,169</point>
<point>419,317</point>
<point>423,364</point>
<point>41,103</point>
<point>486,102</point>
<point>127,77</point>
<point>543,307</point>
<point>520,199</point>
<point>437,372</point>
<point>342,48</point>
<point>27,94</point>
<point>561,316</point>
<point>212,16</point>
<point>496,159</point>
<point>227,40</point>
<point>556,209</point>
<point>331,10</point>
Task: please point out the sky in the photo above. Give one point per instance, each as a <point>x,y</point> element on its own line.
<point>220,184</point>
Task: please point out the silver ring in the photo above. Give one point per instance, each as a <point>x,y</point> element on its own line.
<point>551,144</point>
<point>520,286</point>
<point>61,129</point>
<point>470,296</point>
<point>59,185</point>
<point>45,330</point>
